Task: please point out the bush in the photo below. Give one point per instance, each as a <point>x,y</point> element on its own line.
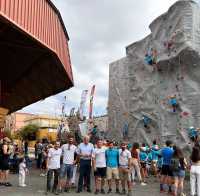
<point>28,132</point>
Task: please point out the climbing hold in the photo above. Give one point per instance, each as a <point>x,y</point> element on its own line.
<point>185,113</point>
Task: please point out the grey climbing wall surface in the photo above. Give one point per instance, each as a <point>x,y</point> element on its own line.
<point>137,89</point>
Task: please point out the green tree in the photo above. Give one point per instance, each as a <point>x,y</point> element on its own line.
<point>28,132</point>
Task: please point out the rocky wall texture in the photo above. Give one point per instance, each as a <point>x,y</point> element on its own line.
<point>137,89</point>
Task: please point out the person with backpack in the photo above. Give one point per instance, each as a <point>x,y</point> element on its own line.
<point>178,166</point>
<point>39,149</point>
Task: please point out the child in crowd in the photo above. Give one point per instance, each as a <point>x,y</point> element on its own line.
<point>22,172</point>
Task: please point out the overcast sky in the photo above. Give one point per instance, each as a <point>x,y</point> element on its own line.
<point>99,30</point>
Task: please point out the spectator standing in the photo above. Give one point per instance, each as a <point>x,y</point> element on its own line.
<point>85,151</point>
<point>53,164</point>
<point>44,161</point>
<point>39,148</point>
<point>68,153</point>
<point>180,164</point>
<point>135,163</point>
<point>124,168</point>
<point>99,166</point>
<point>112,163</point>
<point>26,148</point>
<point>5,151</point>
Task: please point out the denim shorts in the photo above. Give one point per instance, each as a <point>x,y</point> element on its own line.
<point>180,173</point>
<point>66,170</point>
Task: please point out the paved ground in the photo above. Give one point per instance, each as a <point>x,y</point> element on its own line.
<point>36,187</point>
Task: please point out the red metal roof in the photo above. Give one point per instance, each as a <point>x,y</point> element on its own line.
<point>42,21</point>
<point>34,52</point>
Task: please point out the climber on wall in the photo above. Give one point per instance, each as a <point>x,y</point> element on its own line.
<point>151,58</point>
<point>125,130</point>
<point>193,133</point>
<point>146,121</point>
<point>173,102</point>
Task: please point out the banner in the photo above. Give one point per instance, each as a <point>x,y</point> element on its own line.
<point>82,104</point>
<point>63,106</point>
<point>83,128</point>
<point>91,101</point>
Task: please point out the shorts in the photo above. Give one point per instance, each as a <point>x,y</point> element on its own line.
<point>179,174</point>
<point>166,171</point>
<point>100,172</point>
<point>143,165</point>
<point>124,174</point>
<point>4,165</point>
<point>112,172</point>
<point>66,170</point>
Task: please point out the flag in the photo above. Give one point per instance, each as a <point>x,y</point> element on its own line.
<point>91,101</point>
<point>72,112</point>
<point>82,104</point>
<point>63,105</point>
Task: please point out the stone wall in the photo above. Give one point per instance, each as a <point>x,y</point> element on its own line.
<point>137,89</point>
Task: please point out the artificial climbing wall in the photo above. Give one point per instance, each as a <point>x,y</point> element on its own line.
<point>136,88</point>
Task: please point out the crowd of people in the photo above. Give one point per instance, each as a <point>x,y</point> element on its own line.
<point>107,163</point>
<point>120,164</point>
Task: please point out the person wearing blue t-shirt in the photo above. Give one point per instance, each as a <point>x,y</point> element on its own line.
<point>166,173</point>
<point>112,163</point>
<point>173,102</point>
<point>143,162</point>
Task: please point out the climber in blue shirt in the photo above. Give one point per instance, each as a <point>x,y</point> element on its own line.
<point>192,133</point>
<point>146,121</point>
<point>148,59</point>
<point>173,102</point>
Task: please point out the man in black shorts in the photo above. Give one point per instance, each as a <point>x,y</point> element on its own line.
<point>99,166</point>
<point>166,173</point>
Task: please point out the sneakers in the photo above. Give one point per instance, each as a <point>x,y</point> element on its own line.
<point>117,191</point>
<point>143,184</point>
<point>96,192</point>
<point>123,192</point>
<point>7,184</point>
<point>42,175</point>
<point>22,185</point>
<point>109,191</point>
<point>102,191</point>
<point>78,191</point>
<point>89,191</point>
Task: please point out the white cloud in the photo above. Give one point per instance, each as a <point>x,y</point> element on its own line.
<point>99,32</point>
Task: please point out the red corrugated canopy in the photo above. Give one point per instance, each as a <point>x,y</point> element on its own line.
<point>35,54</point>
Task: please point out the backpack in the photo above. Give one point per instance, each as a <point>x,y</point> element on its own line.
<point>175,164</point>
